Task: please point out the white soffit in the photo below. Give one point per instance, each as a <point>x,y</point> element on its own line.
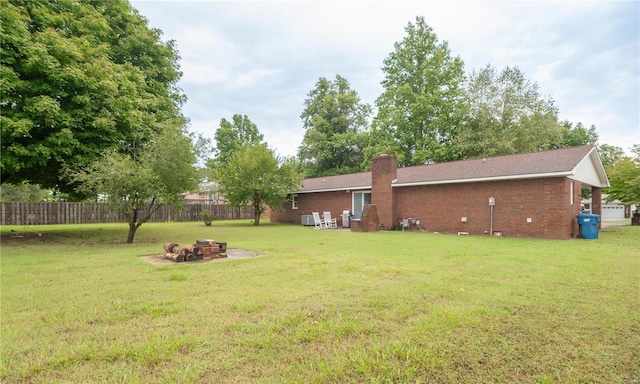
<point>590,171</point>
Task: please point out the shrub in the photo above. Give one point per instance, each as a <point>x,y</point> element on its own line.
<point>207,217</point>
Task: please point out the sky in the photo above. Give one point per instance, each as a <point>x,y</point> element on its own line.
<point>262,58</point>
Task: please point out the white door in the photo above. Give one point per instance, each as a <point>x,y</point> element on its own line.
<point>359,200</point>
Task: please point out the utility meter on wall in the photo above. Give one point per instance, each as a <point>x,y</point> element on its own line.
<point>492,201</point>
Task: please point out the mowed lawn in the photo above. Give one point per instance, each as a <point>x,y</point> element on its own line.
<point>330,306</point>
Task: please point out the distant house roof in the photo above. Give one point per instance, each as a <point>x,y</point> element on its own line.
<point>578,163</point>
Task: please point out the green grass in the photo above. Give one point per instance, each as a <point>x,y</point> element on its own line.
<point>79,305</point>
<point>617,221</point>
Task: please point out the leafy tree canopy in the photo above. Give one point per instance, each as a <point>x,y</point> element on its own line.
<point>79,78</point>
<point>574,136</point>
<point>233,136</point>
<point>149,175</point>
<point>255,176</point>
<point>336,124</point>
<point>23,192</point>
<point>504,113</point>
<point>624,177</point>
<point>610,154</point>
<point>417,111</point>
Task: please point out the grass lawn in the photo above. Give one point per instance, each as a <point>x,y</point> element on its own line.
<point>617,221</point>
<point>79,305</point>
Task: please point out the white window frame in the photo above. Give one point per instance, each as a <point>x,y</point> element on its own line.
<point>571,192</point>
<point>294,201</point>
<point>358,212</point>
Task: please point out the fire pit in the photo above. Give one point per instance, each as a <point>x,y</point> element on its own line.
<point>201,250</point>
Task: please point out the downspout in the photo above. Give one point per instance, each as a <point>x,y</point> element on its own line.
<point>491,222</point>
<point>492,203</point>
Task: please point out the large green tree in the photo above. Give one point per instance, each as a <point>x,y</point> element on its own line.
<point>417,111</point>
<point>233,136</point>
<point>255,177</point>
<point>624,177</point>
<point>149,175</point>
<point>576,135</point>
<point>336,124</point>
<point>610,154</point>
<point>78,78</point>
<point>504,113</point>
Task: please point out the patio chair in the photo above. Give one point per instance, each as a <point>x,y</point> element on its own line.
<point>317,222</point>
<point>328,221</point>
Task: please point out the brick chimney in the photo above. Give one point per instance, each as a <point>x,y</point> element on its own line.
<point>384,169</point>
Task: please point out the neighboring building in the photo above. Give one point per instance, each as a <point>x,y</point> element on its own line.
<point>208,194</point>
<point>611,209</point>
<point>202,198</point>
<point>525,195</point>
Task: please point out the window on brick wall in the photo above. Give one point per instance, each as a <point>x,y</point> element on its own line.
<point>294,202</point>
<point>359,200</point>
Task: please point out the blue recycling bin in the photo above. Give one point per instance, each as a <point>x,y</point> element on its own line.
<point>588,224</point>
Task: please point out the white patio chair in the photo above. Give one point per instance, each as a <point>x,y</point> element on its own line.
<point>317,222</point>
<point>328,221</point>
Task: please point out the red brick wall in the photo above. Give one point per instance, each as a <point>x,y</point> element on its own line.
<point>383,170</point>
<point>440,208</point>
<point>334,202</point>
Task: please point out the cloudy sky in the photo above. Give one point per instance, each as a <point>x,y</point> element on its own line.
<point>261,59</point>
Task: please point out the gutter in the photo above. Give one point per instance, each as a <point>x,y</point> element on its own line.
<point>366,187</point>
<point>493,178</point>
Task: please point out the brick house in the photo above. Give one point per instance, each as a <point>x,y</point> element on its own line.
<point>533,195</point>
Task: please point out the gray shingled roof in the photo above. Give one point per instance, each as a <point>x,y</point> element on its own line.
<point>524,165</point>
<point>360,180</point>
<point>559,162</point>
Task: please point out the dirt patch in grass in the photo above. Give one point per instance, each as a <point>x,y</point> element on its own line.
<point>232,254</point>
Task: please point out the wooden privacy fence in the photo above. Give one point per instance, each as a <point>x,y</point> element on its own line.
<point>82,213</point>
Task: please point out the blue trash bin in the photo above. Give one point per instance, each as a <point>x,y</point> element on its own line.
<point>588,224</point>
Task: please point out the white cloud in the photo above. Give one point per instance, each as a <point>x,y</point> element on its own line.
<point>203,73</point>
<point>262,58</point>
<point>285,141</point>
<point>206,56</point>
<point>253,77</point>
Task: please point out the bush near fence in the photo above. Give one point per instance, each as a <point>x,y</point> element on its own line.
<point>83,213</point>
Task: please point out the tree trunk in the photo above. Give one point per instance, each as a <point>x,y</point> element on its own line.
<point>132,233</point>
<point>134,223</point>
<point>133,226</point>
<point>257,209</point>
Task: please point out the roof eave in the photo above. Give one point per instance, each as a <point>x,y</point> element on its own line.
<point>337,189</point>
<point>600,168</point>
<point>493,178</point>
<point>596,161</point>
